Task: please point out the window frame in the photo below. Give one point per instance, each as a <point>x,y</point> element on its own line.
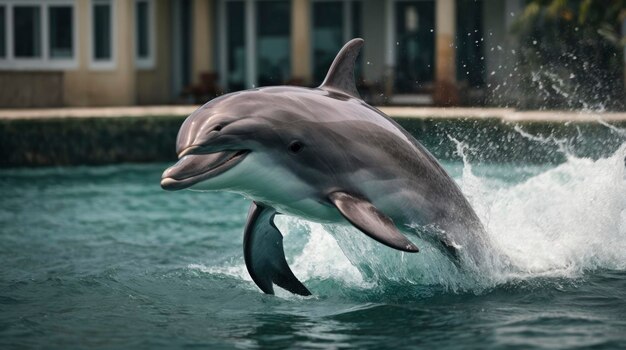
<point>102,64</point>
<point>45,61</point>
<point>149,62</point>
<point>4,31</point>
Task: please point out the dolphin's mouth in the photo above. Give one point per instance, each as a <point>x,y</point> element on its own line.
<point>193,168</point>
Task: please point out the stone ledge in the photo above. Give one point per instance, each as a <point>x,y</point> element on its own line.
<point>505,114</point>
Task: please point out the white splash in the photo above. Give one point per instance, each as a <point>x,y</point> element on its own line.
<point>561,222</point>
<point>321,256</point>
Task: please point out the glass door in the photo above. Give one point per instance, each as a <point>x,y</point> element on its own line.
<point>470,61</point>
<point>235,45</point>
<point>273,45</point>
<point>181,52</point>
<point>255,43</point>
<point>327,36</point>
<point>415,45</point>
<point>333,24</point>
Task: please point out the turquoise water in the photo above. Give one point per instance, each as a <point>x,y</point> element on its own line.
<point>101,257</point>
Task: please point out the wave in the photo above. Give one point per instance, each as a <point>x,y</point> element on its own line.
<point>557,222</point>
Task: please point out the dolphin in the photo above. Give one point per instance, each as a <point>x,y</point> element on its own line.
<point>324,155</point>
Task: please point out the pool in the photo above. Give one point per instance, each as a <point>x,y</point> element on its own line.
<point>101,257</point>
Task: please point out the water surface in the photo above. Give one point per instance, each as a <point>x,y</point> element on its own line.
<point>101,257</point>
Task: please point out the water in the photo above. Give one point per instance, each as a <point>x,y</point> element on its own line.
<point>101,257</point>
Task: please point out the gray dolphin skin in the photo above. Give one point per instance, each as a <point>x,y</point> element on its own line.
<point>324,155</point>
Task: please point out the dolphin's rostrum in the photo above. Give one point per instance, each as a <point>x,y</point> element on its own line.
<point>325,155</point>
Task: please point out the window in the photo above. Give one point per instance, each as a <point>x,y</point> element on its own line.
<point>27,30</point>
<point>144,33</point>
<point>102,34</point>
<point>37,34</point>
<point>3,39</point>
<point>61,31</point>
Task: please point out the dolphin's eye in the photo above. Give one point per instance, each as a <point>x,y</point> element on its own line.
<point>218,127</point>
<point>295,147</point>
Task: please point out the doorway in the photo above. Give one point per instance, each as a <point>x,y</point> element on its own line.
<point>181,47</point>
<point>415,46</point>
<point>254,43</point>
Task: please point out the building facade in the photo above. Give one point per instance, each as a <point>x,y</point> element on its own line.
<point>127,52</point>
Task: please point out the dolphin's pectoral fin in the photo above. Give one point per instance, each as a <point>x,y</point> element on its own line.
<point>264,254</point>
<point>364,216</point>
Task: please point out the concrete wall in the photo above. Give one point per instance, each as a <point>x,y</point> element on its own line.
<point>31,89</point>
<point>107,87</point>
<point>202,39</point>
<point>301,40</point>
<point>446,90</point>
<point>153,85</point>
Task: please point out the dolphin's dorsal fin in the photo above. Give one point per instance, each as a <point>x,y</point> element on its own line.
<point>340,76</point>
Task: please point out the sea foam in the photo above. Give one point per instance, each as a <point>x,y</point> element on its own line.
<point>560,222</point>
